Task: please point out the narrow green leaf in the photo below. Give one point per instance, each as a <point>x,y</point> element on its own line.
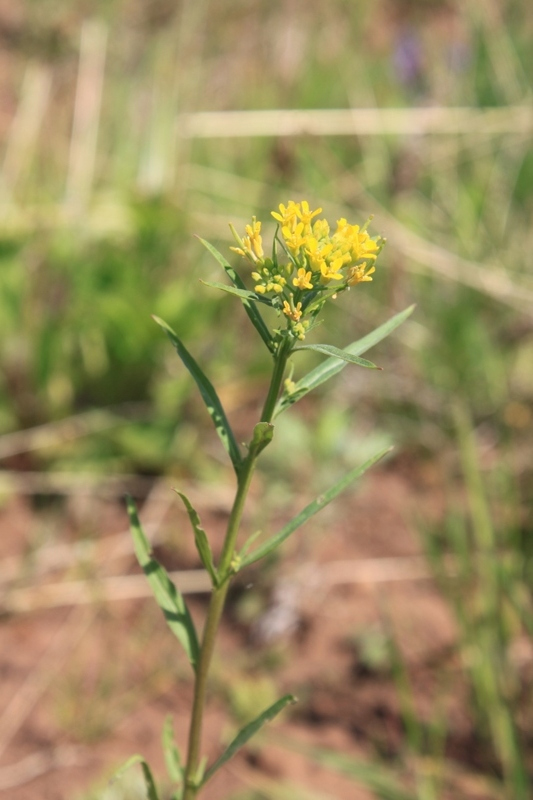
<point>244,294</point>
<point>200,538</point>
<point>262,436</point>
<point>209,395</point>
<point>166,594</point>
<point>246,734</point>
<point>332,366</point>
<point>249,542</point>
<point>317,505</point>
<point>249,304</point>
<point>336,352</point>
<point>147,773</point>
<point>200,772</point>
<point>171,752</point>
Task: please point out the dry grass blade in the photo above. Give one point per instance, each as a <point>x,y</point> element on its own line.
<point>488,279</point>
<point>114,546</point>
<point>74,483</point>
<point>310,576</point>
<point>30,767</point>
<point>421,253</point>
<point>54,433</point>
<point>356,122</point>
<point>374,570</point>
<point>104,590</point>
<point>25,128</point>
<point>84,137</point>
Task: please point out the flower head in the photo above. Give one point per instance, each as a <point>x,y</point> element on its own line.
<point>251,245</point>
<point>303,279</point>
<point>291,311</point>
<point>319,262</point>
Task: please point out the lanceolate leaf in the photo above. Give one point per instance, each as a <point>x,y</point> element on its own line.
<point>344,355</point>
<point>246,734</point>
<point>200,537</point>
<point>332,366</point>
<point>147,773</point>
<point>317,505</point>
<point>171,753</point>
<point>210,397</point>
<point>166,594</point>
<point>244,294</point>
<point>248,303</point>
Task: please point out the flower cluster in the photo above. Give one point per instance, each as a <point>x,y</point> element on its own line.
<point>317,263</point>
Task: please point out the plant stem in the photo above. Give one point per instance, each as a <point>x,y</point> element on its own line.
<point>218,595</point>
<point>275,382</point>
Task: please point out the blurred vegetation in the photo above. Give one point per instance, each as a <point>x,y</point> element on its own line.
<point>101,196</point>
<point>101,191</point>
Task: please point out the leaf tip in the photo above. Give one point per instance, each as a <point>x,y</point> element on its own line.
<point>130,505</point>
<point>293,700</point>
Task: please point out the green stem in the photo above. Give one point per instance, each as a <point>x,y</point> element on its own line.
<point>275,383</point>
<point>218,595</point>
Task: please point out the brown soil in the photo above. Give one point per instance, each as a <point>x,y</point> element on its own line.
<point>85,687</point>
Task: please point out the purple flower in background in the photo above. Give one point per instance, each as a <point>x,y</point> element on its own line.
<point>408,58</point>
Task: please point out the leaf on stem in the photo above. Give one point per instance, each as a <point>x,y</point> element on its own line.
<point>246,734</point>
<point>171,752</point>
<point>200,538</point>
<point>168,598</point>
<point>147,773</point>
<point>248,302</point>
<point>244,294</point>
<point>317,505</point>
<point>209,395</point>
<point>336,352</point>
<point>332,366</point>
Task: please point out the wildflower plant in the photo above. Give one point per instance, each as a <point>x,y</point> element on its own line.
<point>308,265</point>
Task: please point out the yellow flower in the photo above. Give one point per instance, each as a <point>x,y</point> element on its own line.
<point>321,228</point>
<point>331,271</point>
<point>287,214</point>
<point>293,237</point>
<point>292,312</point>
<point>303,281</point>
<point>357,240</point>
<point>317,252</point>
<point>359,274</point>
<point>303,212</point>
<point>254,238</point>
<point>250,246</point>
<point>295,220</point>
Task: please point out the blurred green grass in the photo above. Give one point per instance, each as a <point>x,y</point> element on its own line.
<point>100,207</point>
<point>101,192</point>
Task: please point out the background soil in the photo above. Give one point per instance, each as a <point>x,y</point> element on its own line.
<point>84,687</point>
